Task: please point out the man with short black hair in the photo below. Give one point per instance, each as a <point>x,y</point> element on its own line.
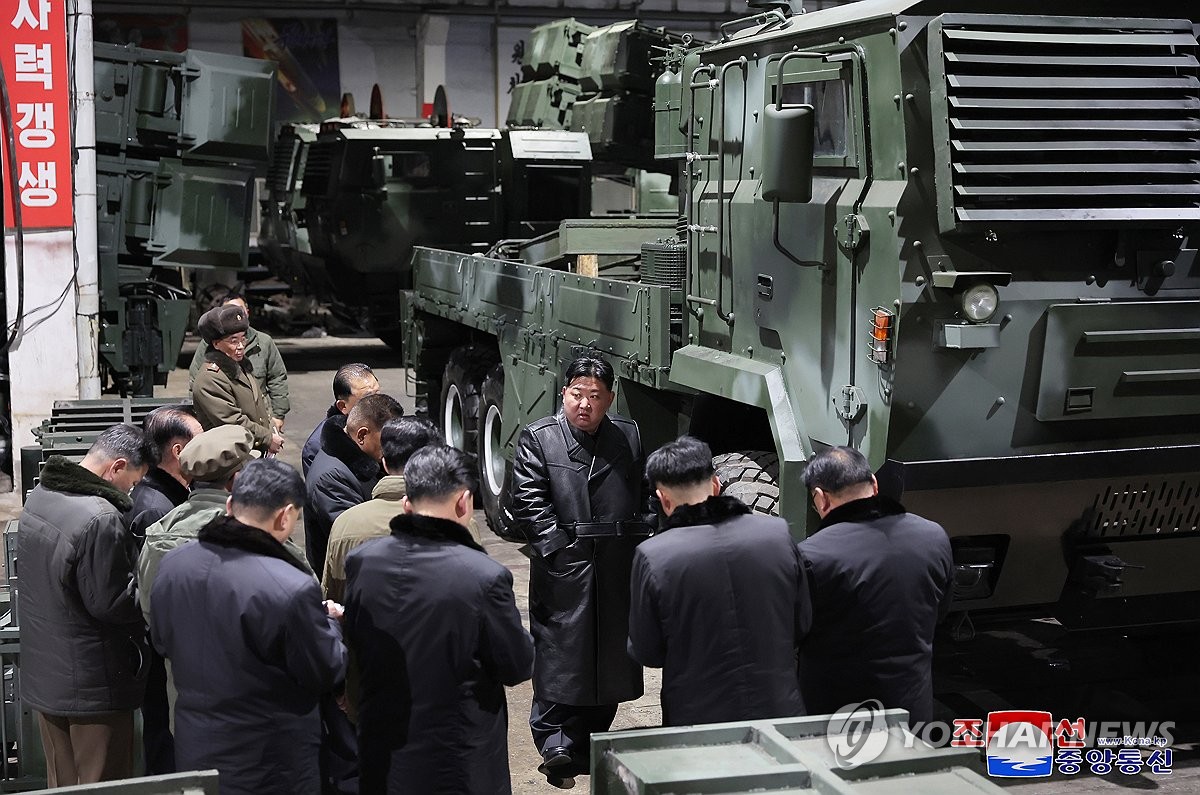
<point>399,439</point>
<point>351,383</point>
<point>719,601</point>
<point>82,639</point>
<point>881,580</point>
<point>577,495</point>
<point>436,634</point>
<point>169,429</point>
<point>345,471</point>
<point>251,644</point>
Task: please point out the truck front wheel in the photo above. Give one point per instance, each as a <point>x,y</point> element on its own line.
<point>752,476</point>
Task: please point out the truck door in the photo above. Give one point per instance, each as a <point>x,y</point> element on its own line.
<point>807,258</point>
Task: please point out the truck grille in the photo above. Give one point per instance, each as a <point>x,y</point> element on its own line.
<point>1064,119</point>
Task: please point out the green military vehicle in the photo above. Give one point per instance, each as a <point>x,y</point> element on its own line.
<point>178,139</point>
<point>960,237</point>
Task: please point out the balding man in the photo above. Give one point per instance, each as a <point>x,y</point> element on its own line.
<point>880,579</point>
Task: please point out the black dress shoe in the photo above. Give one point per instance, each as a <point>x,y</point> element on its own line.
<point>554,760</point>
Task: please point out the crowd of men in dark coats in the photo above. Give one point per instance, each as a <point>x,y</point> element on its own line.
<point>256,671</point>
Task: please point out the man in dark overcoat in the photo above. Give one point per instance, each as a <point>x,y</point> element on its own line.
<point>437,635</point>
<point>251,644</point>
<point>577,495</point>
<point>351,383</point>
<point>718,600</point>
<point>881,580</point>
<point>345,470</point>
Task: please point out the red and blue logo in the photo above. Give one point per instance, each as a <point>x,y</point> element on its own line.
<point>1019,744</point>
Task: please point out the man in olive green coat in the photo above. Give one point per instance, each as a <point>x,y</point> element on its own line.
<point>211,460</point>
<point>225,391</point>
<point>264,358</point>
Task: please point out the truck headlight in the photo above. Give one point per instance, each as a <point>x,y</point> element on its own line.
<point>979,302</point>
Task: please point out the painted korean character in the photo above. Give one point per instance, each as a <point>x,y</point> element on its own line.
<point>1069,761</point>
<point>39,184</point>
<point>35,120</point>
<point>1100,761</point>
<point>968,733</point>
<point>1070,735</point>
<point>33,64</point>
<point>1160,761</point>
<point>1129,761</point>
<point>27,15</point>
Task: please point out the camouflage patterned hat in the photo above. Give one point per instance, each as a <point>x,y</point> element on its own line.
<point>215,455</point>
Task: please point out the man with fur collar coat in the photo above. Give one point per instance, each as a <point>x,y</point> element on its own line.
<point>225,391</point>
<point>84,662</point>
<point>251,644</point>
<point>718,601</point>
<point>436,635</point>
<point>345,470</point>
<point>881,580</point>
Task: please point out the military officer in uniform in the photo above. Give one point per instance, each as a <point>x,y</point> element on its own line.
<point>225,391</point>
<point>264,358</point>
<point>577,495</point>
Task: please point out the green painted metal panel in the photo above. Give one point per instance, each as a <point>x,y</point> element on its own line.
<point>1120,361</point>
<point>201,215</point>
<point>228,104</point>
<point>789,755</point>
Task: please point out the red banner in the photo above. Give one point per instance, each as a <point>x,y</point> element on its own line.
<point>33,55</point>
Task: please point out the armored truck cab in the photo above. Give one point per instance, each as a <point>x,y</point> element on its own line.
<point>959,237</point>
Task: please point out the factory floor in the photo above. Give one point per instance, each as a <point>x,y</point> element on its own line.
<point>311,364</point>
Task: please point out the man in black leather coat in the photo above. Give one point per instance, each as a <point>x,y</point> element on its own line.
<point>577,495</point>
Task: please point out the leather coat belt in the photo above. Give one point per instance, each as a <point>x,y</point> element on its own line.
<point>627,528</point>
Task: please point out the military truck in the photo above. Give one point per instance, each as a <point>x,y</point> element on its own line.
<point>960,237</point>
<point>178,139</point>
<point>372,189</point>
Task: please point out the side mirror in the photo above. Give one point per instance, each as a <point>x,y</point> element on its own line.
<point>378,177</point>
<point>787,153</point>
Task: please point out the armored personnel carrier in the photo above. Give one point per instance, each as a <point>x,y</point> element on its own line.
<point>960,237</point>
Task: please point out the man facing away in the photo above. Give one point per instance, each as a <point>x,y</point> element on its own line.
<point>265,362</point>
<point>345,471</point>
<point>251,644</point>
<point>718,601</point>
<point>577,496</point>
<point>351,383</point>
<point>165,486</point>
<point>398,440</point>
<point>170,429</point>
<point>881,580</point>
<point>436,633</point>
<point>82,639</point>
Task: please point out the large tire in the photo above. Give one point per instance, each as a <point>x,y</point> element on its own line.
<point>462,381</point>
<point>495,471</point>
<point>752,476</point>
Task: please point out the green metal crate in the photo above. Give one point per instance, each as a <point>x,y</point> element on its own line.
<point>791,755</point>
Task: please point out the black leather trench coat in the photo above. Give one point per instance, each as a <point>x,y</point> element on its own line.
<point>579,587</point>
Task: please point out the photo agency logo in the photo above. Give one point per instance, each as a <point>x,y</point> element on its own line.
<point>1016,743</point>
<point>857,734</point>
